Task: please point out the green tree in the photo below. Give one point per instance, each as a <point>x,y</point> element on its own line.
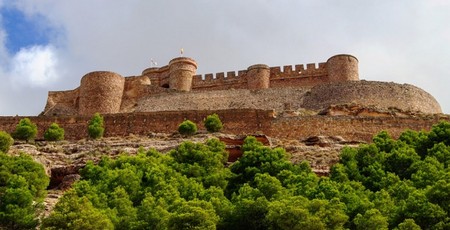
<point>22,190</point>
<point>96,127</point>
<point>249,202</point>
<point>204,162</point>
<point>25,130</point>
<point>195,214</point>
<point>257,159</point>
<point>72,212</point>
<point>213,123</point>
<point>422,211</point>
<point>54,133</point>
<point>187,128</point>
<point>408,224</point>
<point>371,219</point>
<point>5,141</point>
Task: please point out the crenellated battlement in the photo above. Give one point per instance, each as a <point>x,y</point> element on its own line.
<point>108,92</point>
<point>239,79</point>
<point>289,71</point>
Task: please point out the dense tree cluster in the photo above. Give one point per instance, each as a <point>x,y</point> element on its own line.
<point>403,184</point>
<point>22,190</point>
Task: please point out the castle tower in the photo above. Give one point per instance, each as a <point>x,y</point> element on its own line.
<point>258,76</point>
<point>101,92</point>
<point>181,72</point>
<point>342,67</point>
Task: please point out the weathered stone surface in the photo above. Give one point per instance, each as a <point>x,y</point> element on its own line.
<point>176,87</point>
<point>380,95</point>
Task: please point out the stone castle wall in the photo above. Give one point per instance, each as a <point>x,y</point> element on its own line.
<point>108,92</point>
<point>382,95</point>
<point>240,122</point>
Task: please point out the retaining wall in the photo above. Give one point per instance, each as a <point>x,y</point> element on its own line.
<point>240,122</point>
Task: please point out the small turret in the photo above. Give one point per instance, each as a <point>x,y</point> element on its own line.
<point>181,72</point>
<point>258,76</point>
<point>342,67</point>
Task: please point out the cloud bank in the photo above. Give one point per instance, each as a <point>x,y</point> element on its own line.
<point>401,41</point>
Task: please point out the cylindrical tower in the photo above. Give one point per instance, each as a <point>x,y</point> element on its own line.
<point>258,76</point>
<point>342,67</point>
<point>101,92</point>
<point>181,70</point>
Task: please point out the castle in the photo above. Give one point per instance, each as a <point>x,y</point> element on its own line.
<point>176,87</point>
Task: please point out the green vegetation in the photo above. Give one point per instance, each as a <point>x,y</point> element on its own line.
<point>187,128</point>
<point>403,184</point>
<point>25,130</point>
<point>96,127</point>
<point>5,141</point>
<point>22,190</point>
<point>213,123</point>
<point>54,133</point>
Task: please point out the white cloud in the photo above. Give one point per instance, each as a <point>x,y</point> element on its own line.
<point>35,66</point>
<point>402,41</point>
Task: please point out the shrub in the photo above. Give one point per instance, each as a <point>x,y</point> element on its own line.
<point>96,127</point>
<point>187,127</point>
<point>213,123</point>
<point>25,130</point>
<point>54,133</point>
<point>5,141</point>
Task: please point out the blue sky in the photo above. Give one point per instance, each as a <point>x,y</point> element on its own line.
<point>23,31</point>
<point>48,45</point>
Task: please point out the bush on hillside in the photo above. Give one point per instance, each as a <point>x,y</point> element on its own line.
<point>96,127</point>
<point>5,141</point>
<point>54,133</point>
<point>25,130</point>
<point>187,128</point>
<point>213,123</point>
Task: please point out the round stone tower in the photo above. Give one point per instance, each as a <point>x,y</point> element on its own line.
<point>101,92</point>
<point>258,76</point>
<point>342,67</point>
<point>181,72</point>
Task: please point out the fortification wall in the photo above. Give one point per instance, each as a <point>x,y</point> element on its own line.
<point>62,102</point>
<point>355,128</point>
<point>286,76</point>
<point>381,95</point>
<point>134,89</point>
<point>240,122</point>
<point>273,98</point>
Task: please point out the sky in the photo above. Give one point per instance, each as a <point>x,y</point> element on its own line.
<point>48,45</point>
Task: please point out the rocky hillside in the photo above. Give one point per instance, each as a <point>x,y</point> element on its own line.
<point>62,160</point>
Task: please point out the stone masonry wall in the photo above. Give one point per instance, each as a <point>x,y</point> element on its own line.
<point>101,92</point>
<point>382,95</point>
<point>267,99</point>
<point>62,102</point>
<point>240,122</point>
